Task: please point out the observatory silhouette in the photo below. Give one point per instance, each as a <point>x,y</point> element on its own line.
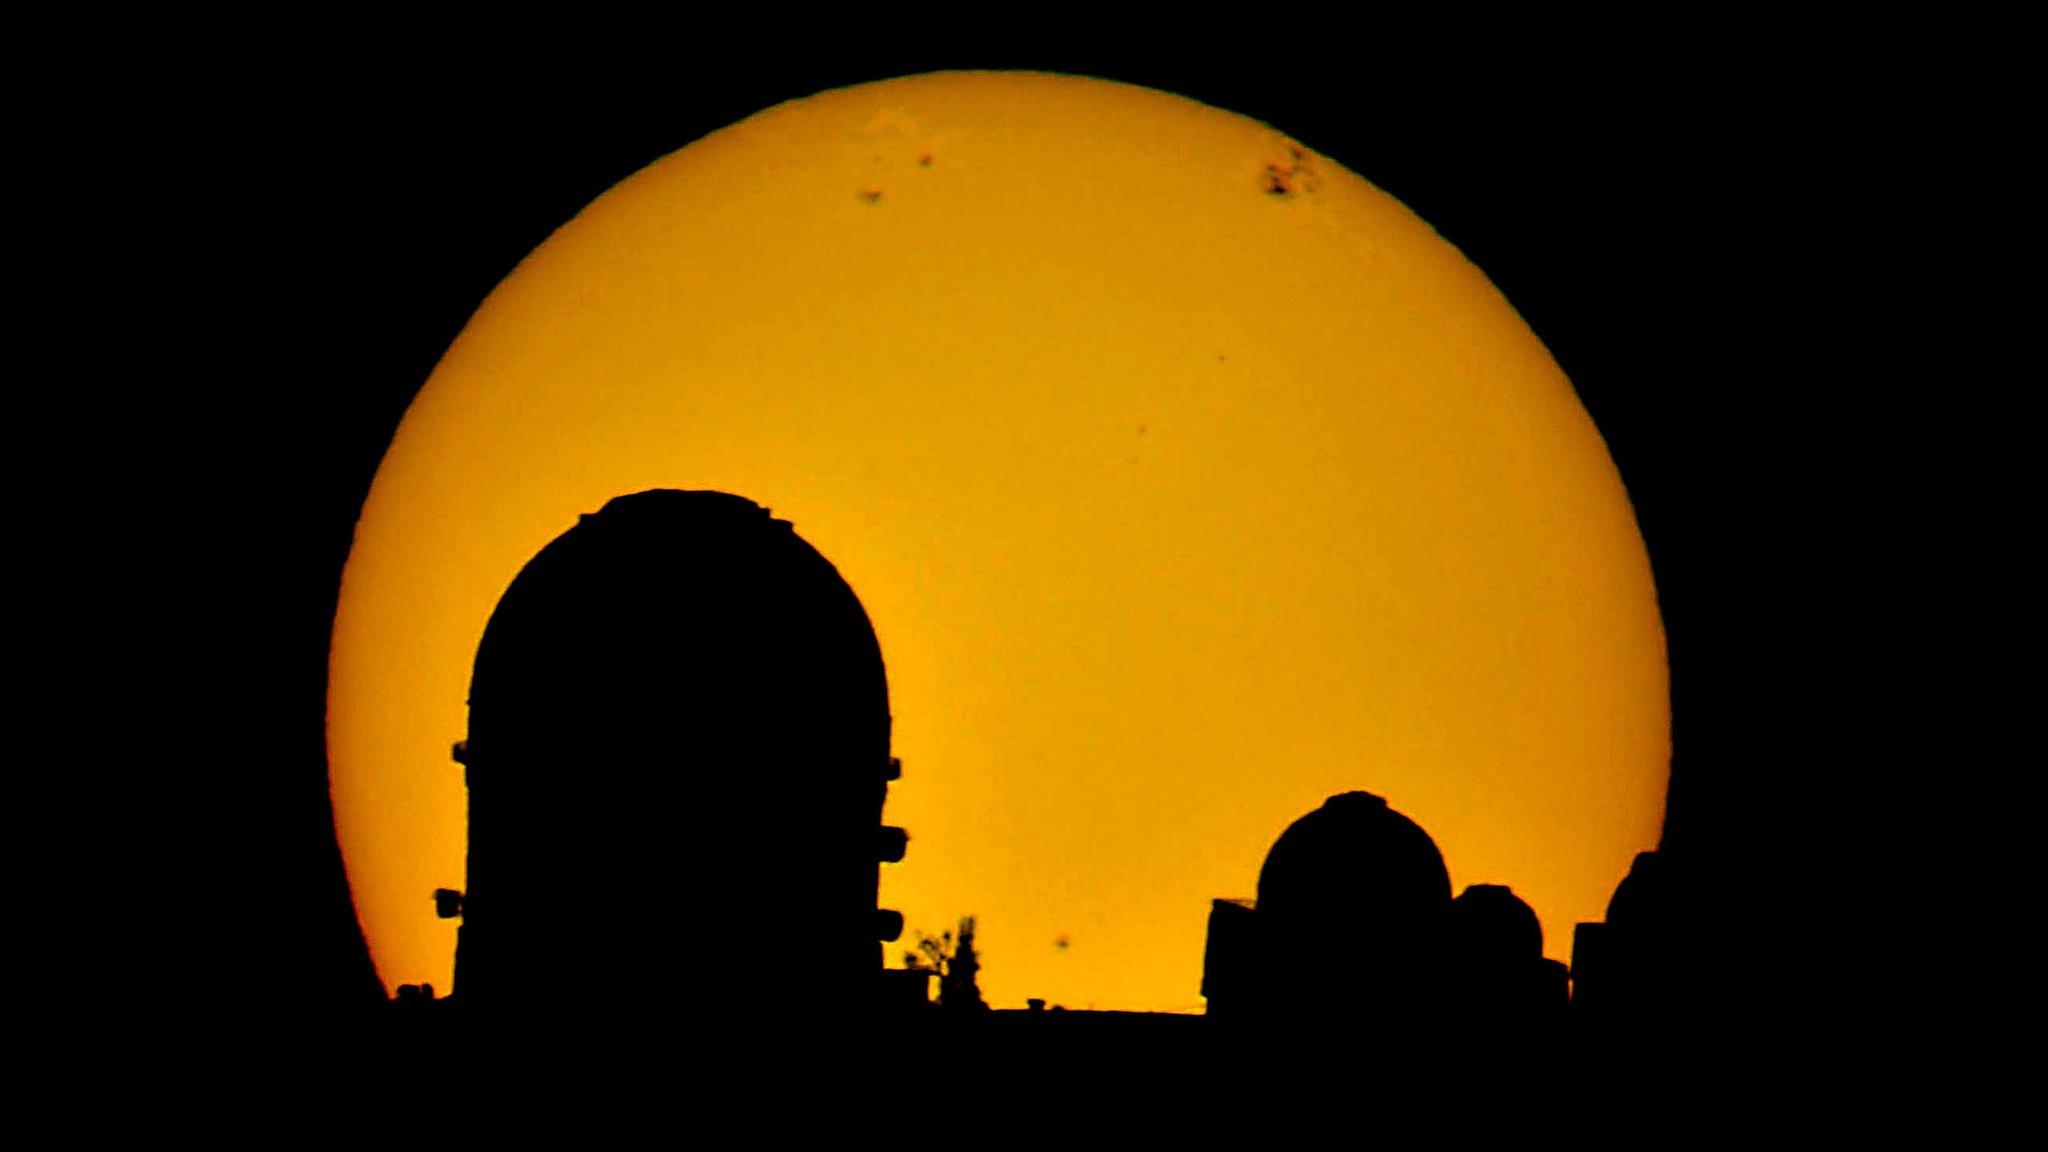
<point>1352,901</point>
<point>1637,970</point>
<point>1497,979</point>
<point>677,756</point>
<point>1354,921</point>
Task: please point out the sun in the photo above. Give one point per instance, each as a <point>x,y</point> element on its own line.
<point>1187,478</point>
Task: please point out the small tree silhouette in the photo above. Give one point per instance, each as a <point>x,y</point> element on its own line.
<point>953,960</point>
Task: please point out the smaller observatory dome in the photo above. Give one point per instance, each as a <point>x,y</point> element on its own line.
<point>1643,898</point>
<point>1490,920</point>
<point>1357,859</point>
<point>1352,905</point>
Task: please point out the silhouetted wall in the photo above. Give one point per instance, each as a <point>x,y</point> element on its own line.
<point>1230,960</point>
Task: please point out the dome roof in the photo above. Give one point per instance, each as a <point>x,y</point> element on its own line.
<point>1354,861</point>
<point>1491,920</point>
<point>672,604</point>
<point>1643,898</point>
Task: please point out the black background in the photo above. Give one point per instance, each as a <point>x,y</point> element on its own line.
<point>303,237</point>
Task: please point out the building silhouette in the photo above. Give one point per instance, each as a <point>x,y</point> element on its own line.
<point>678,751</point>
<point>1499,985</point>
<point>1354,922</point>
<point>1638,971</point>
<point>677,758</point>
<point>1350,920</point>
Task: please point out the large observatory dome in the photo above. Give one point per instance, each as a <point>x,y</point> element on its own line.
<point>670,598</point>
<point>678,748</point>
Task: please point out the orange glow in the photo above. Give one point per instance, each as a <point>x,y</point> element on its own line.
<point>1187,480</point>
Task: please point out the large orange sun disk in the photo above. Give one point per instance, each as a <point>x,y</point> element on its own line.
<point>1187,478</point>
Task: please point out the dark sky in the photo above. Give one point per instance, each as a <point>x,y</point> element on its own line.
<point>318,231</point>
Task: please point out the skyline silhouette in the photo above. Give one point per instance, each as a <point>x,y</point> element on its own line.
<point>677,652</point>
